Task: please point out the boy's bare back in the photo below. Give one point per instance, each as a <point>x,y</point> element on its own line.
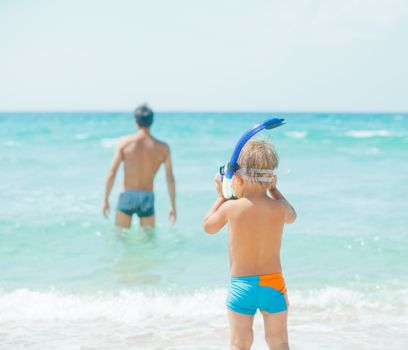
<point>255,234</point>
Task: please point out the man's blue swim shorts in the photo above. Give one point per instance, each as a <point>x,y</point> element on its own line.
<point>136,202</point>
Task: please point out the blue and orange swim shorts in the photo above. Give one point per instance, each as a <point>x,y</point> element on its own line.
<point>249,293</point>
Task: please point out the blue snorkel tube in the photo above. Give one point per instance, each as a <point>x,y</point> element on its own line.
<point>232,165</point>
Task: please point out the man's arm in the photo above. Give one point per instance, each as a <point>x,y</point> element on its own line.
<point>117,159</point>
<point>171,186</point>
<point>291,213</point>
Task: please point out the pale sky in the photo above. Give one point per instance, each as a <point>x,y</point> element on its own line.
<point>196,55</point>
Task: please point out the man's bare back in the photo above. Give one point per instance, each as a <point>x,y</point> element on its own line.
<point>142,156</point>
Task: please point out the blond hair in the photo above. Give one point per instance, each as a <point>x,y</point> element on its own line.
<point>258,162</point>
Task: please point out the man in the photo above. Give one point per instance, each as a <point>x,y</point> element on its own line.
<point>142,156</point>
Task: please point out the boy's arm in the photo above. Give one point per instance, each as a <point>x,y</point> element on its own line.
<point>290,213</point>
<point>216,217</point>
<point>117,159</point>
<point>171,186</point>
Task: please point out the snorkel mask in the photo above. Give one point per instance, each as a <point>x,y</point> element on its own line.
<point>227,171</point>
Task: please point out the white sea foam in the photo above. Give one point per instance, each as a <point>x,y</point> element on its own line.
<point>11,143</point>
<point>82,136</point>
<point>109,143</point>
<point>330,318</point>
<point>296,134</point>
<point>360,134</point>
<point>373,150</point>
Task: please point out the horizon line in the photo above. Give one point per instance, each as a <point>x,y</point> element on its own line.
<point>209,111</point>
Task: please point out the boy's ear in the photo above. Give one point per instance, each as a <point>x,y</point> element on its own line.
<point>238,179</point>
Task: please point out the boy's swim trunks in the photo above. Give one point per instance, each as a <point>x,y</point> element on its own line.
<point>136,202</point>
<point>249,293</point>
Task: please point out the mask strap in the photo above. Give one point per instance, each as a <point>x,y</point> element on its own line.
<point>257,175</point>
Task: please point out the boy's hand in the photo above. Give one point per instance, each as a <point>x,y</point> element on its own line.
<point>106,209</point>
<point>218,185</point>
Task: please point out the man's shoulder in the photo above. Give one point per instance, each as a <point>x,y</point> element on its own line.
<point>125,140</point>
<point>163,146</point>
<point>161,143</point>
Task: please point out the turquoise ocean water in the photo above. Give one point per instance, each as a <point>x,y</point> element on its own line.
<point>69,280</point>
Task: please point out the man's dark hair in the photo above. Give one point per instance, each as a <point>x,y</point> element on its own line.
<point>144,116</point>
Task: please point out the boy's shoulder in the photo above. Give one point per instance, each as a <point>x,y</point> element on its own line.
<point>231,204</point>
<point>246,203</point>
<point>237,205</point>
<point>269,203</point>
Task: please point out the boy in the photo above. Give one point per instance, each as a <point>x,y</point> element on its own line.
<point>255,222</point>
